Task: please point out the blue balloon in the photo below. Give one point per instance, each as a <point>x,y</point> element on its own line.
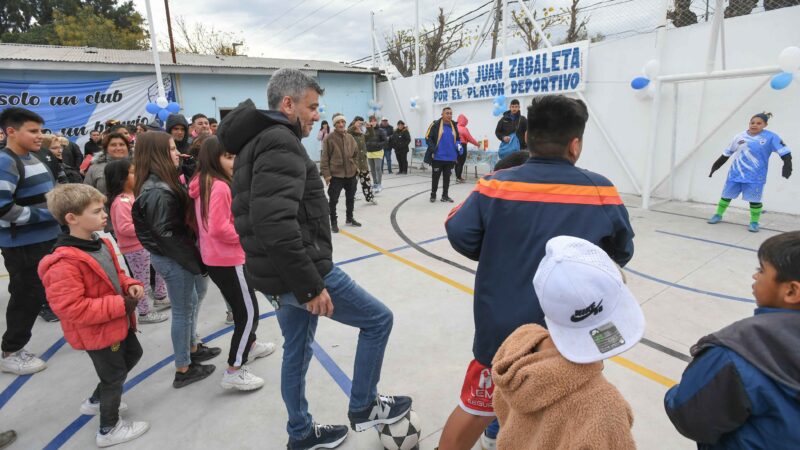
<point>781,80</point>
<point>173,108</point>
<point>501,99</point>
<point>163,114</point>
<point>640,83</point>
<point>152,108</point>
<point>498,112</point>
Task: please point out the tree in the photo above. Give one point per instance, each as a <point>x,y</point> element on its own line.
<point>437,44</point>
<point>526,30</point>
<point>740,7</point>
<point>682,15</point>
<point>199,39</point>
<point>86,28</point>
<point>577,27</point>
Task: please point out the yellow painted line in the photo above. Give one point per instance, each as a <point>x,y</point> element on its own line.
<point>641,370</point>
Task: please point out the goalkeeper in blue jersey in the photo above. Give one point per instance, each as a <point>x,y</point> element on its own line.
<point>750,151</point>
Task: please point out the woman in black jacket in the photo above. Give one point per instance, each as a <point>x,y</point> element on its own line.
<point>160,216</point>
<point>400,141</point>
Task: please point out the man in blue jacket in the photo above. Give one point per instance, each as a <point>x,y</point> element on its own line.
<point>443,151</point>
<point>742,390</point>
<point>505,224</point>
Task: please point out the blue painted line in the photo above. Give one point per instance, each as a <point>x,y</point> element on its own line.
<point>17,384</point>
<point>333,369</point>
<point>372,255</point>
<point>709,241</point>
<point>691,289</point>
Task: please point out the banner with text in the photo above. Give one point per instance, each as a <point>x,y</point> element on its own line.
<point>557,70</point>
<point>76,108</point>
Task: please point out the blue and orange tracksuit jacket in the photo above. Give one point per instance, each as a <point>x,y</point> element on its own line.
<point>505,224</point>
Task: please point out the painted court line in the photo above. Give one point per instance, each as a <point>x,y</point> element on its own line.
<point>690,289</point>
<point>20,381</point>
<point>658,378</point>
<point>709,241</point>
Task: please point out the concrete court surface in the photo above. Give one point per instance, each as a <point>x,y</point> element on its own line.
<point>691,278</point>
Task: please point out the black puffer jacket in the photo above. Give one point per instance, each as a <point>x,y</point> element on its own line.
<point>507,126</point>
<point>160,223</point>
<point>279,205</point>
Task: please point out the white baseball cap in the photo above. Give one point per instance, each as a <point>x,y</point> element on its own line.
<point>590,313</point>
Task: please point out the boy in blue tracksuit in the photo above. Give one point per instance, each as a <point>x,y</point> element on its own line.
<point>742,390</point>
<point>443,150</point>
<point>505,224</point>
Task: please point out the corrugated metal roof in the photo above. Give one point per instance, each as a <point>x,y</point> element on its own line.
<point>52,53</point>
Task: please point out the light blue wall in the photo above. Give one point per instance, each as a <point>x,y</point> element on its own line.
<point>348,94</point>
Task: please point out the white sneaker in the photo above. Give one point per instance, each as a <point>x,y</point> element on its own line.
<point>153,317</point>
<point>124,431</point>
<point>229,318</point>
<point>93,409</point>
<point>22,363</point>
<point>261,349</point>
<point>488,443</point>
<point>241,380</point>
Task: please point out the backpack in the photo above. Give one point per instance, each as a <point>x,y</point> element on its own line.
<point>21,171</point>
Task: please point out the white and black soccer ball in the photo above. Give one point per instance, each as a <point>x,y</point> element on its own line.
<point>403,434</point>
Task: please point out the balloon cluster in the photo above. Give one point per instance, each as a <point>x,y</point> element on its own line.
<point>789,62</point>
<point>642,85</point>
<point>162,108</point>
<point>321,110</point>
<point>415,104</point>
<point>499,105</point>
<point>375,107</point>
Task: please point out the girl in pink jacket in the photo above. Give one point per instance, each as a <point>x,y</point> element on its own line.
<point>223,255</point>
<point>119,183</point>
<point>466,138</point>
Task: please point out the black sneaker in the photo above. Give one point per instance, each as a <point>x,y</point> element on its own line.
<point>334,227</point>
<point>321,436</point>
<point>48,315</point>
<point>385,410</point>
<point>433,198</point>
<point>196,372</point>
<point>447,199</point>
<point>204,353</point>
<point>353,222</point>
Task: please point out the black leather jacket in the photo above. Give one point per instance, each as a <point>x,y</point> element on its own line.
<point>279,206</point>
<point>159,220</point>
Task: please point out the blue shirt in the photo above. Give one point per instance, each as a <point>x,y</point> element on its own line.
<point>447,149</point>
<point>751,154</point>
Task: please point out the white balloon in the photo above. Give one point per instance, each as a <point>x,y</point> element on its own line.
<point>646,93</point>
<point>789,59</point>
<point>651,69</point>
<point>162,102</point>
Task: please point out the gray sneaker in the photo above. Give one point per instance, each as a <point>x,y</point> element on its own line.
<point>123,431</point>
<point>153,317</point>
<point>22,363</point>
<point>161,304</point>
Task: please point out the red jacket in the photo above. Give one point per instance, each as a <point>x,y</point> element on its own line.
<point>81,294</point>
<point>463,132</point>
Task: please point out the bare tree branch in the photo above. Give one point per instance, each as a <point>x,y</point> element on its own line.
<point>199,39</point>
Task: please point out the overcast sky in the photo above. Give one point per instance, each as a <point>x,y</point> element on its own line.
<point>338,30</point>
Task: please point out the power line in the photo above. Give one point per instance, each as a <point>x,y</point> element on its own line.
<point>284,14</point>
<point>296,35</point>
<point>294,23</point>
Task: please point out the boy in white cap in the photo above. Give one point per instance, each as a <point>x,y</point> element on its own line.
<point>550,391</point>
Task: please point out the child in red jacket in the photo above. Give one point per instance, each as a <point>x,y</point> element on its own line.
<point>96,303</point>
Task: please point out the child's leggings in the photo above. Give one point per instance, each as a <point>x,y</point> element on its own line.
<point>139,262</point>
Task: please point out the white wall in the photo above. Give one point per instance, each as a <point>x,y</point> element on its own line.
<point>751,41</point>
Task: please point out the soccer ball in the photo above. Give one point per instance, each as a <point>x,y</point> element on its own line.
<point>401,435</point>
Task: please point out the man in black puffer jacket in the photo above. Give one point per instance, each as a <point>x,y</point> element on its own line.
<point>282,218</point>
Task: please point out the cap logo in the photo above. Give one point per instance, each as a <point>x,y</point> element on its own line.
<point>582,314</point>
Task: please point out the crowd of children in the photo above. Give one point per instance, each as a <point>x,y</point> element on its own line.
<point>539,340</point>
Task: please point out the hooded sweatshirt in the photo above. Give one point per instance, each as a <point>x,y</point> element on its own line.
<point>544,401</point>
<point>188,165</point>
<point>338,155</point>
<point>219,242</point>
<point>361,145</point>
<point>463,132</point>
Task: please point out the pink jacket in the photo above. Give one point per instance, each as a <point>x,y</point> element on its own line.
<point>123,224</point>
<point>463,132</point>
<point>219,242</point>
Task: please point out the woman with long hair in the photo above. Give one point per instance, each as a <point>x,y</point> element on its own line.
<point>120,179</point>
<point>324,130</point>
<point>161,215</point>
<point>224,259</point>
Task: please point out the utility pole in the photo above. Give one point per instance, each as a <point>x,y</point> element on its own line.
<point>416,38</point>
<point>371,34</point>
<point>498,15</point>
<point>169,30</point>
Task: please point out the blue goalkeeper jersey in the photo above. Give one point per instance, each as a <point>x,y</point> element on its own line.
<point>750,155</point>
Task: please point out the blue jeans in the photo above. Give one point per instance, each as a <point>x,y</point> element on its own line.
<point>387,155</point>
<point>184,289</point>
<point>352,306</point>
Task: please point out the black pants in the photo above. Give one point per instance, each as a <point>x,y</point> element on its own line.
<point>112,365</point>
<point>27,292</point>
<point>439,168</point>
<point>402,160</point>
<point>350,185</point>
<point>462,159</point>
<point>240,296</point>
